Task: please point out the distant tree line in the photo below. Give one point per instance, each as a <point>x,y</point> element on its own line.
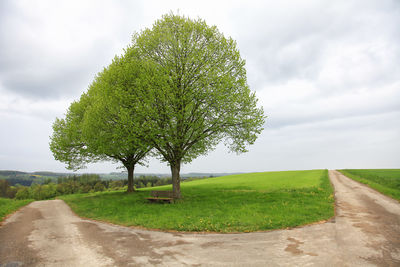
<point>86,183</point>
<point>20,181</point>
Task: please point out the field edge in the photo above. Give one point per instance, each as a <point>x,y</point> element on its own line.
<point>325,210</point>
<point>13,205</point>
<point>387,191</point>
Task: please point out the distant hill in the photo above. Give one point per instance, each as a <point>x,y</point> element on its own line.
<point>10,173</point>
<point>207,174</point>
<point>27,178</point>
<point>41,173</point>
<point>47,173</point>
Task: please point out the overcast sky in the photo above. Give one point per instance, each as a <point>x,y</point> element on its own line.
<point>326,72</point>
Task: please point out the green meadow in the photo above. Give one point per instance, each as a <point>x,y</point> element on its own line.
<point>235,203</point>
<point>8,206</point>
<point>386,181</point>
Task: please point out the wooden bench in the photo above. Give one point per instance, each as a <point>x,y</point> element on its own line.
<point>161,196</point>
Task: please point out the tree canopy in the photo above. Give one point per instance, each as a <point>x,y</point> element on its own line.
<point>201,96</point>
<point>180,88</point>
<point>103,125</point>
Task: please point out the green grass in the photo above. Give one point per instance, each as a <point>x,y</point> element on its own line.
<point>8,206</point>
<point>386,181</point>
<point>236,203</point>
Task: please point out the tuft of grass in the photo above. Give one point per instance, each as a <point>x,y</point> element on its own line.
<point>386,181</point>
<point>8,206</point>
<point>235,203</point>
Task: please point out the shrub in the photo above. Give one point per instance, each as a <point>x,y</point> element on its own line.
<point>85,188</point>
<point>99,187</point>
<point>11,192</point>
<point>116,184</point>
<point>4,185</point>
<point>23,192</point>
<point>49,191</point>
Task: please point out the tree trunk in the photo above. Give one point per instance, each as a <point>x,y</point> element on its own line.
<point>176,179</point>
<point>131,188</point>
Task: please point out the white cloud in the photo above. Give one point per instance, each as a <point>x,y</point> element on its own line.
<point>43,109</point>
<point>326,72</point>
<point>51,49</point>
<point>357,142</point>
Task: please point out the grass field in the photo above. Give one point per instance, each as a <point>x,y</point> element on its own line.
<point>236,203</point>
<point>8,206</point>
<point>386,181</point>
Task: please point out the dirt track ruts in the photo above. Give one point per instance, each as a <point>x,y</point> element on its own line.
<point>364,232</point>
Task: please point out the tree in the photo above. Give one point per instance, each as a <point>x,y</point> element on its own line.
<point>23,192</point>
<point>11,192</point>
<point>103,125</point>
<point>4,187</point>
<point>198,94</point>
<point>99,187</point>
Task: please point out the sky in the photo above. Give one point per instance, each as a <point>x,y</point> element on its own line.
<point>327,74</point>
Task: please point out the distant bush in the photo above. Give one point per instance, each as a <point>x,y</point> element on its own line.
<point>117,184</point>
<point>85,183</point>
<point>4,186</point>
<point>40,192</point>
<point>68,187</point>
<point>140,185</point>
<point>82,179</point>
<point>23,192</point>
<point>150,181</point>
<point>6,190</point>
<point>26,181</point>
<point>85,188</point>
<point>11,192</point>
<point>98,187</point>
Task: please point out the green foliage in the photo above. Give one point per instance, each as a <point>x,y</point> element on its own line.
<point>116,184</point>
<point>69,187</point>
<point>386,181</point>
<point>150,181</point>
<point>181,88</point>
<point>103,124</point>
<point>23,193</point>
<point>4,186</point>
<point>7,206</point>
<point>85,188</point>
<point>26,179</point>
<point>7,191</point>
<point>140,184</point>
<point>99,187</point>
<point>5,173</point>
<point>202,94</point>
<point>197,93</point>
<point>77,184</point>
<point>40,192</point>
<point>237,203</point>
<point>83,179</point>
<point>11,192</point>
<point>67,142</point>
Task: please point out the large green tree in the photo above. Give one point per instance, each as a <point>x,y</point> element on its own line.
<point>197,93</point>
<point>103,124</point>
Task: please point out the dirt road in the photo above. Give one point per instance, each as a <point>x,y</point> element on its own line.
<point>365,232</point>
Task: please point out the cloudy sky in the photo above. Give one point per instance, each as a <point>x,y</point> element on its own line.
<point>326,72</point>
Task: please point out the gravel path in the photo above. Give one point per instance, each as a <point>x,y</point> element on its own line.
<point>364,232</point>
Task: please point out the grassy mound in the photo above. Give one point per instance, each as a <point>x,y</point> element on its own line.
<point>235,203</point>
<point>8,206</point>
<point>386,181</point>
